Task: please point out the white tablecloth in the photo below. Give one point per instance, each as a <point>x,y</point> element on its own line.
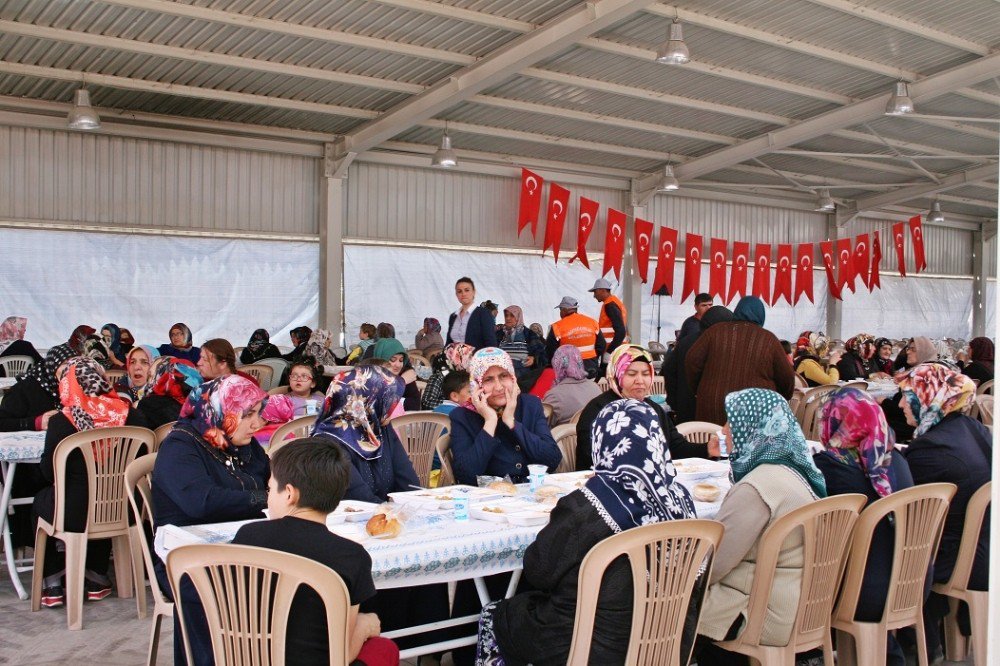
<point>882,390</point>
<point>22,445</point>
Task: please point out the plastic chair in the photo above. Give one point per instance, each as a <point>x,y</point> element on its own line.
<point>160,434</point>
<point>443,448</point>
<point>548,410</point>
<point>278,367</point>
<point>418,360</point>
<point>15,365</point>
<point>576,418</point>
<point>984,409</point>
<point>698,432</point>
<point>334,370</point>
<point>659,386</point>
<point>137,487</point>
<point>602,384</point>
<point>800,382</point>
<point>986,388</point>
<point>565,436</point>
<point>826,527</point>
<point>669,560</point>
<point>957,587</point>
<point>918,515</point>
<point>418,431</point>
<point>262,373</point>
<point>860,385</point>
<point>814,400</point>
<point>247,595</point>
<point>279,390</point>
<point>106,453</point>
<point>114,375</point>
<point>238,350</point>
<point>297,428</point>
<point>656,350</point>
<point>797,404</point>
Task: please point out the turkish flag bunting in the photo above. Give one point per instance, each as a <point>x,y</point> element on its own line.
<point>588,216</point>
<point>762,272</point>
<point>826,247</point>
<point>738,273</point>
<point>717,271</point>
<point>917,231</point>
<point>897,239</point>
<point>845,264</point>
<point>665,258</point>
<point>643,239</point>
<point>804,273</point>
<point>614,243</point>
<point>692,265</point>
<point>531,201</point>
<point>862,258</point>
<point>783,275</point>
<point>556,218</point>
<point>873,280</point>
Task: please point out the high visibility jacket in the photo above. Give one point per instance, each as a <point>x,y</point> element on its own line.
<point>578,330</point>
<point>605,322</point>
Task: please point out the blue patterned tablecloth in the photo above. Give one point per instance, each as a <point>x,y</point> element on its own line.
<point>22,446</point>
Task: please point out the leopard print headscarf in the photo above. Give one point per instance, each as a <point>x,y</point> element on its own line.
<point>87,397</point>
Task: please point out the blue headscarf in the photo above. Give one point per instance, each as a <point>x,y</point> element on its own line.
<point>751,309</point>
<point>356,404</point>
<point>116,340</point>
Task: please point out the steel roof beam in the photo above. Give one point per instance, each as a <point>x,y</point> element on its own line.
<point>969,176</point>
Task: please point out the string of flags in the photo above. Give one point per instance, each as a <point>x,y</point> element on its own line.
<point>845,260</point>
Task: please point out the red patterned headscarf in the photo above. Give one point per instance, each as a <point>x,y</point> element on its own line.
<point>87,397</point>
<point>215,408</point>
<point>855,433</point>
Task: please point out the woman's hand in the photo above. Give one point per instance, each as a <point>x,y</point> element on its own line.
<point>482,407</point>
<point>529,362</point>
<point>511,392</point>
<point>371,624</point>
<point>713,446</point>
<point>835,357</point>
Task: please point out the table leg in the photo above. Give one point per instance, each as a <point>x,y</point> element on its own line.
<point>8,470</point>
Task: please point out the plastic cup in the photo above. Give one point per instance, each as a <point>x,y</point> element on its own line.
<point>536,476</point>
<point>312,407</point>
<point>461,505</point>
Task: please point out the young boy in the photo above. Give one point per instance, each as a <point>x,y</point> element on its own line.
<point>366,338</point>
<point>455,386</point>
<point>308,479</point>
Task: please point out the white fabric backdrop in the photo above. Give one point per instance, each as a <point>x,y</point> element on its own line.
<point>904,307</point>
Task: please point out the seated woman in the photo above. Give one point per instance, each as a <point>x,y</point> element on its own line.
<point>773,474</point>
<point>454,357</point>
<point>302,378</point>
<point>88,402</point>
<point>258,348</point>
<point>951,447</point>
<point>112,336</point>
<point>12,342</point>
<point>572,390</point>
<point>391,350</point>
<point>126,340</point>
<point>858,457</point>
<point>918,350</point>
<point>882,361</point>
<point>95,349</point>
<point>857,361</point>
<point>180,345</point>
<point>300,338</point>
<point>366,338</point>
<point>501,431</point>
<point>319,347</point>
<point>428,340</point>
<point>218,359</point>
<point>169,386</point>
<point>78,337</point>
<point>34,398</point>
<point>980,364</point>
<point>809,353</point>
<point>138,365</point>
<point>632,486</point>
<point>630,375</point>
<point>525,348</point>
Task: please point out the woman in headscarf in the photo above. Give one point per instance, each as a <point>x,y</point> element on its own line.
<point>525,349</point>
<point>810,350</point>
<point>428,340</point>
<point>948,446</point>
<point>454,357</point>
<point>78,337</point>
<point>538,330</point>
<point>138,366</point>
<point>501,430</point>
<point>633,485</point>
<point>882,361</point>
<point>736,355</point>
<point>111,334</point>
<point>94,348</point>
<point>572,390</point>
<point>258,348</point>
<point>772,474</point>
<point>630,375</point>
<point>856,363</point>
<point>319,347</point>
<point>391,350</point>
<point>980,367</point>
<point>12,342</point>
<point>88,402</point>
<point>34,398</point>
<point>679,393</point>
<point>180,345</point>
<point>299,337</point>
<point>918,350</point>
<point>167,390</point>
<point>126,340</point>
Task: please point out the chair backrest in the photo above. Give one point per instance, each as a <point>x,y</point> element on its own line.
<point>262,373</point>
<point>975,513</point>
<point>919,514</point>
<point>576,418</point>
<point>800,382</point>
<point>418,431</point>
<point>114,375</point>
<point>565,436</point>
<point>669,560</point>
<point>334,370</point>
<point>659,386</point>
<point>238,350</point>
<point>294,429</point>
<point>138,478</point>
<point>986,388</point>
<point>602,384</point>
<point>160,434</point>
<point>984,408</point>
<point>443,448</point>
<point>245,632</point>
<point>698,432</point>
<point>815,398</point>
<point>860,385</point>
<point>106,453</point>
<point>15,365</point>
<point>278,367</point>
<point>548,410</point>
<point>419,360</point>
<point>797,403</point>
<point>826,526</point>
<point>279,390</point>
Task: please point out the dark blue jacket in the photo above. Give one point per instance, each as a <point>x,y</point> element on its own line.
<point>373,480</point>
<point>509,452</point>
<point>192,354</point>
<point>481,331</point>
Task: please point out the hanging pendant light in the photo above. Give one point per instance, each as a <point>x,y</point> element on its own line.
<point>83,116</point>
<point>899,103</point>
<point>825,203</point>
<point>936,215</point>
<point>674,51</point>
<point>668,182</point>
<point>445,157</point>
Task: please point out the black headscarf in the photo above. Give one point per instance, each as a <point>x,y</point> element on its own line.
<point>45,372</point>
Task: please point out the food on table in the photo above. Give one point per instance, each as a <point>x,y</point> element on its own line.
<point>492,509</point>
<point>351,509</point>
<point>381,525</point>
<point>502,486</point>
<point>706,492</point>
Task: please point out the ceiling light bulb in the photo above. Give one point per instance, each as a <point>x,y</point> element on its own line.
<point>899,102</point>
<point>444,156</point>
<point>82,116</point>
<point>936,215</point>
<point>674,51</point>
<point>825,203</point>
<point>668,182</point>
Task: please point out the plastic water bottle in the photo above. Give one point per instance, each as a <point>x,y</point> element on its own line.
<point>723,449</point>
<point>461,505</point>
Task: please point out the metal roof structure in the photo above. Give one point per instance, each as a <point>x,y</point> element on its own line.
<point>781,97</point>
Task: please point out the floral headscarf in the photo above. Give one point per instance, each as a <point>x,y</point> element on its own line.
<point>458,354</point>
<point>633,482</point>
<point>215,408</point>
<point>174,378</point>
<point>621,359</point>
<point>855,433</point>
<point>94,347</point>
<point>356,404</point>
<point>568,364</point>
<point>812,344</point>
<point>432,325</point>
<point>79,336</point>
<point>486,358</point>
<point>319,347</point>
<point>862,345</point>
<point>12,329</point>
<point>183,328</point>
<point>280,409</point>
<point>45,372</point>
<point>933,391</point>
<point>765,432</point>
<point>87,398</point>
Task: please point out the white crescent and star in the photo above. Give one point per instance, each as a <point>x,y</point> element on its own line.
<point>616,228</point>
<point>917,233</point>
<point>531,183</point>
<point>860,248</point>
<point>643,240</point>
<point>899,240</point>
<point>719,259</point>
<point>805,261</point>
<point>588,220</point>
<point>557,205</point>
<point>695,254</point>
<point>845,256</point>
<point>784,263</point>
<point>741,261</point>
<point>668,247</point>
<point>827,257</point>
<point>763,261</point>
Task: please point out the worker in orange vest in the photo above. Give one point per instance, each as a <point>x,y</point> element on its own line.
<point>613,315</point>
<point>578,330</point>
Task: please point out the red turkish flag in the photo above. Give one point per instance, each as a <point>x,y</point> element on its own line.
<point>783,275</point>
<point>826,247</point>
<point>556,218</point>
<point>692,265</point>
<point>665,259</point>
<point>862,258</point>
<point>531,201</point>
<point>804,273</point>
<point>614,243</point>
<point>873,278</point>
<point>717,269</point>
<point>643,240</point>
<point>897,239</point>
<point>588,217</point>
<point>738,273</point>
<point>762,272</point>
<point>845,264</point>
<point>917,231</point>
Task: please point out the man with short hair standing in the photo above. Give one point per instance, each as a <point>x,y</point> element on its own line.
<point>702,302</point>
<point>578,330</point>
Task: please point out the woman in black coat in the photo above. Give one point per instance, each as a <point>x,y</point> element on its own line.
<point>34,399</point>
<point>472,325</point>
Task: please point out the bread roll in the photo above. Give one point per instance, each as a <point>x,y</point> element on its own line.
<point>505,487</point>
<point>381,525</point>
<point>706,492</point>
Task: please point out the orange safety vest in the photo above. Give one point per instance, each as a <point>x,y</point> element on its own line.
<point>605,322</point>
<point>578,330</point>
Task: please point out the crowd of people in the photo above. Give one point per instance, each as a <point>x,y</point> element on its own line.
<point>493,381</point>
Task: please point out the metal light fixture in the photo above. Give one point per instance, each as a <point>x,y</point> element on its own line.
<point>936,215</point>
<point>899,103</point>
<point>444,156</point>
<point>825,203</point>
<point>668,182</point>
<point>82,116</point>
<point>674,51</point>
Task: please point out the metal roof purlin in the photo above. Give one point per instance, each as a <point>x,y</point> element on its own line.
<point>959,179</point>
